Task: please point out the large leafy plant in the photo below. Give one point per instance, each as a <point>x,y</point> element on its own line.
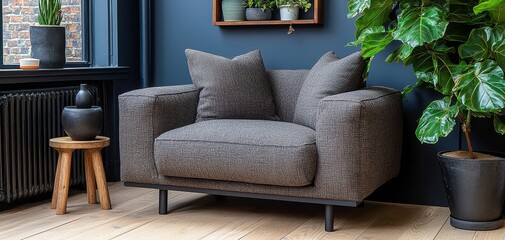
<point>456,47</point>
<point>50,12</point>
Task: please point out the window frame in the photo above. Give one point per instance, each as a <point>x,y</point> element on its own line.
<point>85,23</point>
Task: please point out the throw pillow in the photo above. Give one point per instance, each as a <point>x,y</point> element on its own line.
<point>329,76</point>
<point>235,88</point>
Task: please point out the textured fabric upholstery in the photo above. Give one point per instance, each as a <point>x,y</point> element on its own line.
<point>145,114</point>
<point>359,136</point>
<point>250,151</point>
<point>286,85</point>
<point>359,140</point>
<point>329,76</point>
<point>235,88</point>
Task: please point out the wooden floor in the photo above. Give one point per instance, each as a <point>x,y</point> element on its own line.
<point>199,216</point>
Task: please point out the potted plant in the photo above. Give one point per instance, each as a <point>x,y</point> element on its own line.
<point>233,10</point>
<point>258,10</point>
<point>48,38</point>
<point>289,9</point>
<point>456,48</point>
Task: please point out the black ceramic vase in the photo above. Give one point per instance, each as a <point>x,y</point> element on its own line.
<point>475,191</point>
<point>83,99</point>
<point>48,45</point>
<point>82,122</point>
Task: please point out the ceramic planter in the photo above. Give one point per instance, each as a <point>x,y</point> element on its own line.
<point>257,14</point>
<point>289,13</point>
<point>48,45</point>
<point>82,122</point>
<point>233,10</point>
<point>475,191</point>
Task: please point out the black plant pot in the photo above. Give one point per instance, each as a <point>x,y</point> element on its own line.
<point>82,124</point>
<point>48,45</point>
<point>475,191</point>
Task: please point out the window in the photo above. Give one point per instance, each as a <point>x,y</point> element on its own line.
<point>19,15</point>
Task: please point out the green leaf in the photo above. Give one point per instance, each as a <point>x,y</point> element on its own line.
<point>485,43</point>
<point>496,9</point>
<point>477,47</point>
<point>498,45</point>
<point>375,41</point>
<point>499,126</point>
<point>376,15</point>
<point>487,5</point>
<point>420,24</point>
<point>365,33</point>
<point>482,88</point>
<point>400,54</point>
<point>447,72</point>
<point>437,121</point>
<point>357,7</point>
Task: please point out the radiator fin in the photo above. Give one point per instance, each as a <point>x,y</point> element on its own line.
<point>28,119</point>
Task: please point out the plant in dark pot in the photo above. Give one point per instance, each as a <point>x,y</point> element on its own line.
<point>456,48</point>
<point>82,122</point>
<point>258,10</point>
<point>48,38</point>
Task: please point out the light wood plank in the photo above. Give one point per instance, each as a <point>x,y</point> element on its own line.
<point>193,221</point>
<point>314,228</point>
<point>427,225</point>
<point>29,212</point>
<point>359,221</point>
<point>38,225</point>
<point>394,223</point>
<point>280,224</point>
<point>450,233</point>
<point>95,219</point>
<point>133,220</point>
<point>498,234</point>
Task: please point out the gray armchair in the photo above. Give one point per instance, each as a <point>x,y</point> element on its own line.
<point>354,149</point>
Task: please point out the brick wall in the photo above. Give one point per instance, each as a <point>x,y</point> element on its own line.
<point>19,15</point>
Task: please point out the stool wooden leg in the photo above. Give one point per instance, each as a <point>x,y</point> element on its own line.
<point>64,183</point>
<point>101,181</point>
<point>56,182</point>
<point>90,177</point>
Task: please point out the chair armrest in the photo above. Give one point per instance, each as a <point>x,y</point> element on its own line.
<point>359,141</point>
<point>145,114</point>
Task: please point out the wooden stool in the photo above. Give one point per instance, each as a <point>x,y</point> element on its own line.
<point>93,166</point>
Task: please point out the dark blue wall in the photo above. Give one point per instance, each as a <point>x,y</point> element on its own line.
<point>188,24</point>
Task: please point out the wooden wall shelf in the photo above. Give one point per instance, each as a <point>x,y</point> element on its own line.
<point>217,17</point>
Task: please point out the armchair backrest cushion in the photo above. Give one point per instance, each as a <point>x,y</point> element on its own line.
<point>286,85</point>
<point>329,76</point>
<point>235,88</point>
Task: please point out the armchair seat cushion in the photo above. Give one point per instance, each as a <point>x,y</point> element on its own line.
<point>249,151</point>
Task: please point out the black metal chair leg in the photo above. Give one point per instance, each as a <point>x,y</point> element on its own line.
<point>163,208</point>
<point>328,219</point>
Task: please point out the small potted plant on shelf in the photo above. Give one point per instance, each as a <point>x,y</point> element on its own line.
<point>259,10</point>
<point>48,38</point>
<point>289,9</point>
<point>456,48</point>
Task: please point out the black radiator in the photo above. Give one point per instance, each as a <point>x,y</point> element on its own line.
<point>28,119</point>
